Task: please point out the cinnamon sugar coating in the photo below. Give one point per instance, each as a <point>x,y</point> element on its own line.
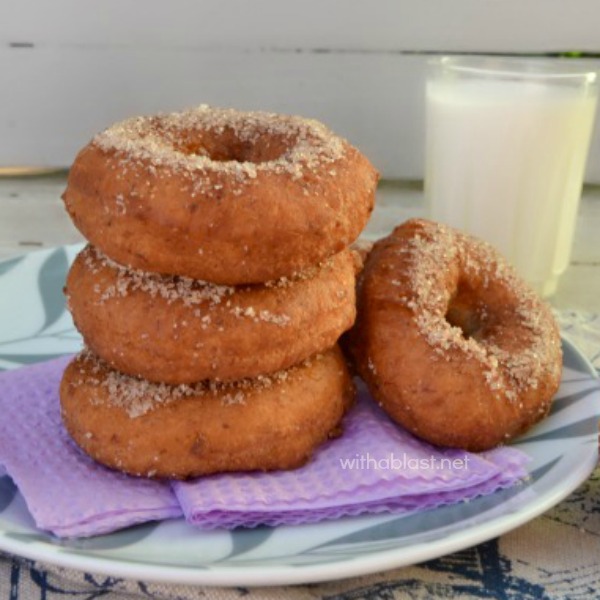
<point>451,342</point>
<point>220,195</point>
<point>178,330</point>
<point>176,432</point>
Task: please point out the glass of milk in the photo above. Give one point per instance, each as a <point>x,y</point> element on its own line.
<point>506,147</point>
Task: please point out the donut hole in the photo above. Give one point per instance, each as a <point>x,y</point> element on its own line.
<point>227,146</point>
<point>465,311</point>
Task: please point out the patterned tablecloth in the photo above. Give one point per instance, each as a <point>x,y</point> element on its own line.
<point>556,555</point>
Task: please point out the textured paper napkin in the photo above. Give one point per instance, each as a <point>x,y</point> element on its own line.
<point>374,466</point>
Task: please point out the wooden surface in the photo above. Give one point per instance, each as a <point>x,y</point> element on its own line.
<point>392,25</point>
<point>32,217</point>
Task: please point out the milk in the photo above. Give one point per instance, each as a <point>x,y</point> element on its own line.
<point>505,161</point>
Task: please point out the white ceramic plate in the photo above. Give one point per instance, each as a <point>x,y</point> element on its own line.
<point>34,325</point>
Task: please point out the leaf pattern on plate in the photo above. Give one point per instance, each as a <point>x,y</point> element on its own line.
<point>11,263</point>
<point>29,537</point>
<point>567,401</point>
<point>244,540</point>
<point>582,428</point>
<point>28,359</point>
<point>119,539</point>
<point>50,285</point>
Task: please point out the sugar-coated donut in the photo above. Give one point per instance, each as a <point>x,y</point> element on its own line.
<point>177,432</point>
<point>177,330</point>
<point>220,195</point>
<point>452,344</point>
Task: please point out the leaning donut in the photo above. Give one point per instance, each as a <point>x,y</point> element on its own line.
<point>452,344</point>
<point>220,195</point>
<point>155,430</point>
<point>177,330</point>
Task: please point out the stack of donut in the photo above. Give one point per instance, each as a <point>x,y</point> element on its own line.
<point>217,282</point>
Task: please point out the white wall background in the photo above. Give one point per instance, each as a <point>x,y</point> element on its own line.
<point>71,67</point>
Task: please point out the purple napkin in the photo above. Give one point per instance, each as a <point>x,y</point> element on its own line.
<point>374,467</point>
<point>66,492</point>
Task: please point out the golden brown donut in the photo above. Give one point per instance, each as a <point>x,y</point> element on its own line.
<point>452,344</point>
<point>220,195</point>
<point>177,330</point>
<point>156,430</point>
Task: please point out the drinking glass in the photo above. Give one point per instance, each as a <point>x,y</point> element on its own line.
<point>506,147</point>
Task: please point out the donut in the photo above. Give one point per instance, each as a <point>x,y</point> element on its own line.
<point>177,432</point>
<point>450,341</point>
<point>220,195</point>
<point>176,330</point>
